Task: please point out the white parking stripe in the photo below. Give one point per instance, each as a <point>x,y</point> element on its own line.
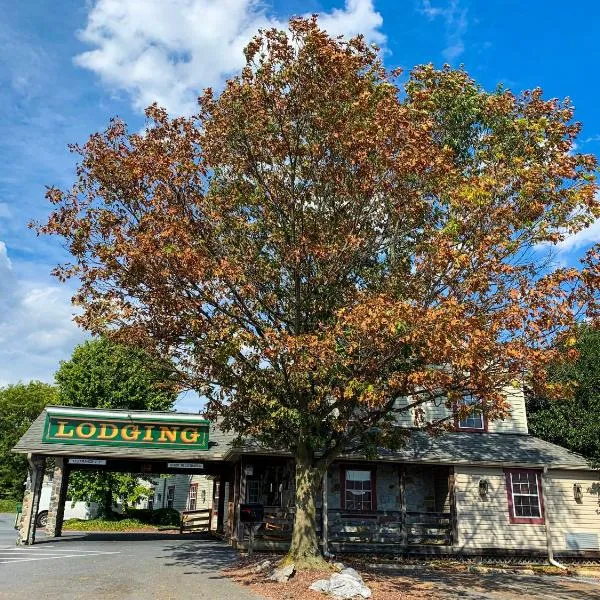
<point>45,551</point>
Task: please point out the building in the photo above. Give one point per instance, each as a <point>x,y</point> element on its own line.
<point>487,488</point>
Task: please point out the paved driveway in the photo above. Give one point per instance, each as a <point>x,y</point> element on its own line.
<point>116,566</point>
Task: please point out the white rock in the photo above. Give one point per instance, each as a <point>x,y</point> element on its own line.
<point>321,585</point>
<point>352,573</point>
<point>338,566</point>
<point>282,574</point>
<point>347,586</point>
<point>263,567</point>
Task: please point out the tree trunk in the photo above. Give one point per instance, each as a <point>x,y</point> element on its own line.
<point>304,550</point>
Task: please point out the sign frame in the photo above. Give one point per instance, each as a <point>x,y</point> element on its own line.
<point>132,431</point>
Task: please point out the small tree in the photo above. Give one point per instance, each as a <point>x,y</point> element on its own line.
<point>572,422</point>
<point>319,241</point>
<point>102,374</point>
<point>20,405</point>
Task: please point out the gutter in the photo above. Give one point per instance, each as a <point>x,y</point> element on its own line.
<point>551,559</point>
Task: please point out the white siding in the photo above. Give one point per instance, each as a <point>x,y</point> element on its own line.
<point>516,422</point>
<point>485,523</point>
<point>566,516</point>
<point>182,483</point>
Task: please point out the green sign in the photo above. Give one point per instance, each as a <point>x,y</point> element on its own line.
<point>135,431</point>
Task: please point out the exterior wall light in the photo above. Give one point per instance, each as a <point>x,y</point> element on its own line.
<point>577,492</point>
<point>484,488</point>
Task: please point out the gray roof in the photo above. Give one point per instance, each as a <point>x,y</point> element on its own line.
<point>463,448</point>
<point>497,449</point>
<point>31,442</point>
<point>504,449</point>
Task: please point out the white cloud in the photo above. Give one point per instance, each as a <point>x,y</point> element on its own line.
<point>167,51</point>
<point>586,237</point>
<point>455,22</point>
<point>36,327</point>
<point>5,263</point>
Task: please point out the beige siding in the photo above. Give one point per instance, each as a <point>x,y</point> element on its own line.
<point>516,422</point>
<point>566,516</point>
<point>182,485</point>
<point>485,523</point>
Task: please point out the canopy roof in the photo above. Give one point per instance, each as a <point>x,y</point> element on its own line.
<point>493,449</point>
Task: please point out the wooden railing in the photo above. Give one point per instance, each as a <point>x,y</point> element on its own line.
<point>195,520</point>
<point>424,528</point>
<point>376,527</point>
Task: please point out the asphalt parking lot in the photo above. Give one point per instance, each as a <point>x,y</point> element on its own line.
<point>115,566</point>
<point>167,567</point>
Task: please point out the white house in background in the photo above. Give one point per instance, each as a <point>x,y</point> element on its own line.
<point>183,493</point>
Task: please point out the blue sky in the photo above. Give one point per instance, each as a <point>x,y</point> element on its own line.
<point>67,67</point>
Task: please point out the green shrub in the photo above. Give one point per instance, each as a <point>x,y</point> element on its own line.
<point>161,516</point>
<point>165,516</point>
<point>8,506</point>
<point>102,525</point>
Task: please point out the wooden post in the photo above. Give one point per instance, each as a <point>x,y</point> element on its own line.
<point>453,519</point>
<point>324,517</point>
<point>403,523</point>
<point>221,505</point>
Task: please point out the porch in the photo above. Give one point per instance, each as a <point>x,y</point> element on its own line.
<point>364,507</point>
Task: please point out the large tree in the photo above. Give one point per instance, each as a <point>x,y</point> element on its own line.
<point>573,422</point>
<point>20,405</point>
<point>321,239</point>
<point>103,374</point>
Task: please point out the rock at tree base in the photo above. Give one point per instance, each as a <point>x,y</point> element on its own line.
<point>321,585</point>
<point>347,584</point>
<point>350,572</point>
<point>338,566</point>
<point>263,567</point>
<point>283,574</point>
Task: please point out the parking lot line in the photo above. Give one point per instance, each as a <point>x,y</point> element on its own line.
<point>19,555</point>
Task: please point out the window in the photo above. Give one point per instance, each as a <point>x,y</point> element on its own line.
<point>253,491</point>
<point>524,490</point>
<point>203,496</point>
<point>170,496</point>
<point>192,496</point>
<point>150,503</point>
<point>475,421</point>
<point>358,489</point>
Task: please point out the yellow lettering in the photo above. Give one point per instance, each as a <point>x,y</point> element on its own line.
<point>108,436</point>
<point>91,430</point>
<point>130,433</point>
<point>167,433</point>
<point>148,436</point>
<point>61,430</point>
<point>189,435</point>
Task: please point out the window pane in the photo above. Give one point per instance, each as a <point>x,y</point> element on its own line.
<point>526,502</point>
<point>474,421</point>
<point>358,490</point>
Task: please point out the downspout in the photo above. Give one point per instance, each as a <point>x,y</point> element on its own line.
<point>547,523</point>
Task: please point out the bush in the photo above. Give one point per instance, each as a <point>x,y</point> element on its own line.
<point>102,525</point>
<point>166,516</point>
<point>161,516</point>
<point>8,506</point>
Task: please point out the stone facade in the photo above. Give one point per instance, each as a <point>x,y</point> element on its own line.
<point>56,509</point>
<point>31,499</point>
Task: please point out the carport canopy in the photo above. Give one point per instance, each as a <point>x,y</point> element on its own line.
<point>138,442</point>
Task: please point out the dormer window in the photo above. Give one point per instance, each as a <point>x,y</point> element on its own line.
<point>475,420</point>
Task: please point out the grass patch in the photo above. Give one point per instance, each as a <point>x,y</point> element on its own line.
<point>8,506</point>
<point>102,525</point>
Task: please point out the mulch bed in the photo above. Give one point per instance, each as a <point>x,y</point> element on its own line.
<point>384,586</point>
